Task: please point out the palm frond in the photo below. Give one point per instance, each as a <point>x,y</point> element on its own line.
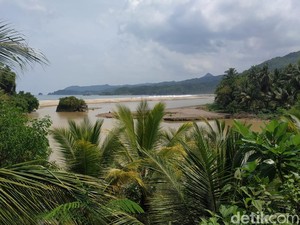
<point>29,190</point>
<point>210,165</point>
<point>87,159</point>
<point>80,146</point>
<point>152,126</point>
<point>14,49</point>
<point>126,124</point>
<point>125,205</point>
<point>111,149</point>
<point>173,136</point>
<point>66,144</point>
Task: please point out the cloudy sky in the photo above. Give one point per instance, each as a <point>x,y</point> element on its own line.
<point>136,41</point>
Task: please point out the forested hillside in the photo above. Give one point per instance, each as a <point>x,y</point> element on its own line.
<point>281,62</point>
<point>203,85</point>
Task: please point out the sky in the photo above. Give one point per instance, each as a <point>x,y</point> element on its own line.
<point>141,41</point>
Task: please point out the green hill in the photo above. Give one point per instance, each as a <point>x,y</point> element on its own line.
<point>203,85</point>
<point>281,62</point>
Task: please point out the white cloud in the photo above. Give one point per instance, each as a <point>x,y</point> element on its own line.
<point>132,41</point>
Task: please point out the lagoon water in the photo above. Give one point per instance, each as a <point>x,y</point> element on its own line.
<point>109,104</point>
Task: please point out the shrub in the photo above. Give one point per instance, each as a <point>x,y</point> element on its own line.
<point>22,139</point>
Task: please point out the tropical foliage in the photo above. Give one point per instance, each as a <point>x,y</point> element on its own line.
<point>259,90</point>
<point>14,50</point>
<point>81,148</point>
<point>26,102</point>
<point>22,139</point>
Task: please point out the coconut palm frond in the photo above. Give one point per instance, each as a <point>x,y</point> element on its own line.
<point>28,191</point>
<point>126,123</point>
<point>111,150</point>
<point>208,169</point>
<point>14,50</point>
<point>80,146</point>
<point>173,136</point>
<point>66,144</point>
<point>148,134</point>
<point>86,160</point>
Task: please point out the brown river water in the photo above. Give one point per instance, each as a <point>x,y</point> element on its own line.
<point>61,119</point>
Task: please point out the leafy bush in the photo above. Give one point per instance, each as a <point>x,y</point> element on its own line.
<point>22,139</point>
<point>71,104</point>
<point>25,101</point>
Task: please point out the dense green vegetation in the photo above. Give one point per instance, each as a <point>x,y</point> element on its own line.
<point>26,102</point>
<point>192,175</point>
<point>22,139</point>
<point>71,104</point>
<point>259,90</point>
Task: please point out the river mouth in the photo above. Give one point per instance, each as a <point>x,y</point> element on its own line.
<point>60,119</point>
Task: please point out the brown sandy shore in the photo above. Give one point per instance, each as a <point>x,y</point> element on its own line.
<point>49,103</point>
<point>191,113</point>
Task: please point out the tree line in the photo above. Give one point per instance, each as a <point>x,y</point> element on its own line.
<point>24,101</point>
<point>259,90</point>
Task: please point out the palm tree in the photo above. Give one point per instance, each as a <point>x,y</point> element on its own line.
<point>210,164</point>
<point>207,168</point>
<point>82,152</point>
<point>152,156</point>
<point>15,51</point>
<point>140,132</point>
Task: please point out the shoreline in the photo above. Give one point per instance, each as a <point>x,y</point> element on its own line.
<point>178,114</point>
<point>182,114</point>
<point>51,103</point>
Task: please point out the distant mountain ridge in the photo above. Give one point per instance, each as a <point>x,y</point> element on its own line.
<point>281,62</point>
<point>202,85</point>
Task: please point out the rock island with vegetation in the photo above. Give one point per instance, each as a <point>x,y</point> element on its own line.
<point>71,104</point>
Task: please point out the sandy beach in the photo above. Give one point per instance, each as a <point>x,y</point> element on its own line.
<point>195,112</point>
<point>189,113</point>
<point>49,103</point>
